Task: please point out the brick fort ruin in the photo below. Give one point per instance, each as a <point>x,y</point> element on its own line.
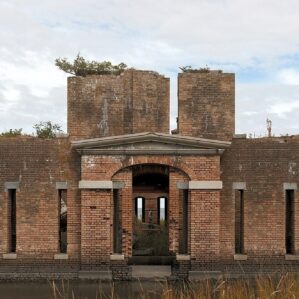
<point>121,191</point>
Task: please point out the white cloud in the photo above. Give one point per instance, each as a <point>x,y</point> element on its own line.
<point>146,34</point>
<point>289,76</point>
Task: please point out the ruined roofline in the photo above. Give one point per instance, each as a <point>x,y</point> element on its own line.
<point>129,70</point>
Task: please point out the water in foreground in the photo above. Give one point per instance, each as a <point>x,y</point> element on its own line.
<point>281,286</point>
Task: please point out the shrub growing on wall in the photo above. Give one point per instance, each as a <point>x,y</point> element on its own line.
<point>82,67</point>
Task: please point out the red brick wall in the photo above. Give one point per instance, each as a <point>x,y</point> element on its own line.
<point>106,105</point>
<point>264,164</point>
<point>204,206</point>
<point>38,164</point>
<point>206,105</point>
<point>96,227</point>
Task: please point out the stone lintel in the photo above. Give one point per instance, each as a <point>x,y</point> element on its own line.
<point>118,185</point>
<point>205,185</point>
<point>183,185</point>
<point>240,257</point>
<point>183,257</point>
<point>95,184</point>
<point>12,185</point>
<point>239,186</point>
<point>289,186</point>
<point>9,256</point>
<point>61,185</point>
<point>61,256</point>
<point>117,257</point>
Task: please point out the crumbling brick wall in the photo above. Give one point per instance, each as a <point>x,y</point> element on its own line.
<point>107,105</point>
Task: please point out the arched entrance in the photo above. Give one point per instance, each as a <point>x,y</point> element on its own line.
<point>150,214</point>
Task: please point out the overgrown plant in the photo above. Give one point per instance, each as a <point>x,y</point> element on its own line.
<point>190,69</point>
<point>12,133</point>
<point>82,67</point>
<point>47,129</point>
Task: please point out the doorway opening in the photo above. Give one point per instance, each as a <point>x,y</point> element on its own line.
<point>150,215</point>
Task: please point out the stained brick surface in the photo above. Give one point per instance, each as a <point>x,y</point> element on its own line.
<point>134,102</point>
<point>206,105</point>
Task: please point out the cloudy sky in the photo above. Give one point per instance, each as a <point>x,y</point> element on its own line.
<point>256,39</point>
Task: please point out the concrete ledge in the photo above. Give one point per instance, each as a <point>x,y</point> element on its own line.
<point>240,257</point>
<point>289,186</point>
<point>117,257</point>
<point>198,275</point>
<point>291,257</point>
<point>183,257</point>
<point>205,185</point>
<point>61,256</point>
<point>239,186</point>
<point>11,185</point>
<point>95,185</point>
<point>61,185</point>
<point>9,256</point>
<point>95,275</point>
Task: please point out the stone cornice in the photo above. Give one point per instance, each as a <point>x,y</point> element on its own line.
<point>160,144</point>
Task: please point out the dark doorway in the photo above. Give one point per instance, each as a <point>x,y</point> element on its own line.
<point>150,215</point>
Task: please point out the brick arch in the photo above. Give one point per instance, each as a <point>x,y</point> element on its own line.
<point>189,173</point>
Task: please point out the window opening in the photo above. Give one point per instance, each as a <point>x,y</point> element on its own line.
<point>290,222</point>
<point>13,220</point>
<point>239,222</point>
<point>62,220</point>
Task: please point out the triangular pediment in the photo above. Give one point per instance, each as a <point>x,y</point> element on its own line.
<point>149,143</point>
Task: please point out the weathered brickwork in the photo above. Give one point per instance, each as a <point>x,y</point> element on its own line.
<point>206,105</point>
<point>106,105</point>
<point>37,165</point>
<point>265,164</point>
<point>108,160</point>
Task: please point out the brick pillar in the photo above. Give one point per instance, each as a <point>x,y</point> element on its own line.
<point>127,217</point>
<point>96,228</point>
<point>204,225</point>
<point>174,207</point>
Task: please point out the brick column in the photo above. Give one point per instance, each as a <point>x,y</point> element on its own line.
<point>127,210</point>
<point>204,225</point>
<point>96,228</point>
<point>174,209</point>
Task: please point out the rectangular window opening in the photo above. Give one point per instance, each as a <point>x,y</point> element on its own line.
<point>117,227</point>
<point>290,222</point>
<point>183,245</point>
<point>12,220</point>
<point>140,208</point>
<point>62,194</point>
<point>239,222</point>
<point>162,210</point>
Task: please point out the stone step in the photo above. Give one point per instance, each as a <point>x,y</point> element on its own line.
<point>152,271</point>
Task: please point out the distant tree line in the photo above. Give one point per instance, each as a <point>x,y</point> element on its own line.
<point>42,130</point>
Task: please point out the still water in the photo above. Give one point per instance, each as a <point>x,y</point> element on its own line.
<point>81,290</point>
